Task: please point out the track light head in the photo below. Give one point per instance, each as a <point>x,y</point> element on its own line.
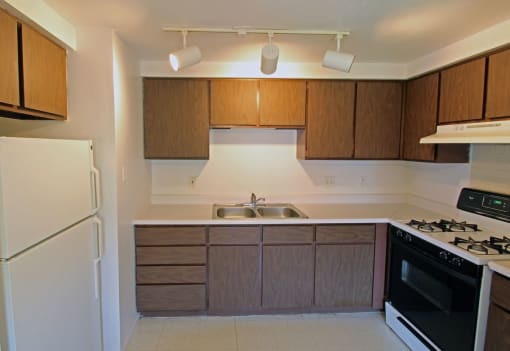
<point>341,61</point>
<point>185,57</point>
<point>269,59</point>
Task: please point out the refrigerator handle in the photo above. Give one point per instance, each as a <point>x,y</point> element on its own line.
<point>97,260</point>
<point>96,189</point>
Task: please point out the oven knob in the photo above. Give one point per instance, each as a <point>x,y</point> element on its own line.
<point>408,238</point>
<point>399,233</point>
<point>457,261</point>
<point>443,255</point>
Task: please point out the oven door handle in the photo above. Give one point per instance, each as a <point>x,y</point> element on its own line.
<point>442,266</point>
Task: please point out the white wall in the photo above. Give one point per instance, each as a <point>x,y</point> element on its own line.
<point>264,161</point>
<point>91,116</point>
<point>133,174</point>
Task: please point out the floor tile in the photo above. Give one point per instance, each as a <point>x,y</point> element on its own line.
<point>298,332</point>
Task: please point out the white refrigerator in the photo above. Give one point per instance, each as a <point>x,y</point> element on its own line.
<point>50,246</point>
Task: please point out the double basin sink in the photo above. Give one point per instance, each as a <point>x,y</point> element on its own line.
<point>269,211</point>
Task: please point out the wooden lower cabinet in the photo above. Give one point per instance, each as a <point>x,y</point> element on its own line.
<point>344,276</point>
<point>234,278</point>
<point>157,298</point>
<point>287,276</point>
<point>498,325</point>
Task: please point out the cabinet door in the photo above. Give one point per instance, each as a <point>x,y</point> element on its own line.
<point>498,329</point>
<point>287,276</point>
<point>344,275</point>
<point>44,73</point>
<point>420,115</point>
<point>176,118</point>
<point>234,102</point>
<point>462,91</point>
<point>498,86</point>
<point>9,82</point>
<point>234,278</point>
<point>282,102</point>
<point>378,115</point>
<point>330,124</point>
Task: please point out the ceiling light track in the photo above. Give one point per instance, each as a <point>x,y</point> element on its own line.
<point>189,56</point>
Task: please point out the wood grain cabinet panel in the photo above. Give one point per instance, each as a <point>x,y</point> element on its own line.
<point>345,233</point>
<point>280,234</point>
<point>234,235</point>
<point>234,278</point>
<point>170,274</point>
<point>498,86</point>
<point>420,115</point>
<point>176,118</point>
<point>498,325</point>
<point>9,70</point>
<point>282,102</point>
<point>462,92</point>
<point>166,235</point>
<point>378,116</point>
<point>234,102</point>
<point>287,276</point>
<point>170,255</point>
<point>343,276</point>
<point>330,121</point>
<point>156,298</point>
<point>44,73</point>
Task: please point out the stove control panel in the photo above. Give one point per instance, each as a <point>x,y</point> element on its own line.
<point>485,203</point>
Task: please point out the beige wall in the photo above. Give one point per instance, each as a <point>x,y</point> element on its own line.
<point>133,174</point>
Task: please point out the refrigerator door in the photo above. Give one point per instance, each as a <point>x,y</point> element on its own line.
<point>45,186</point>
<point>48,295</point>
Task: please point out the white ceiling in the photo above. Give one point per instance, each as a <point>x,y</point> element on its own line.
<point>381,30</point>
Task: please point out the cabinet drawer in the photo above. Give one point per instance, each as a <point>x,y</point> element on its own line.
<point>165,235</point>
<point>500,291</point>
<point>234,235</point>
<point>360,233</point>
<point>287,234</point>
<point>151,298</point>
<point>170,255</point>
<point>170,275</point>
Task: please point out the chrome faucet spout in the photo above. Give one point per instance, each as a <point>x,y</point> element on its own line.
<point>254,200</point>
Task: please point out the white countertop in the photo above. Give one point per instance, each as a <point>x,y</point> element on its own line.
<point>501,267</point>
<point>317,214</point>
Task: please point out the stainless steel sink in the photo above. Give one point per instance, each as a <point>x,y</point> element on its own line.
<point>234,212</point>
<point>269,211</point>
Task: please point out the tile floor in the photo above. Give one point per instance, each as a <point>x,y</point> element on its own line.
<point>310,332</point>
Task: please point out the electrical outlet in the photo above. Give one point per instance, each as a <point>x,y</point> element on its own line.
<point>363,180</point>
<point>193,180</point>
<point>329,180</point>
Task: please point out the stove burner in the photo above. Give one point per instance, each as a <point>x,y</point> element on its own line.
<point>443,226</point>
<point>478,249</point>
<point>424,226</point>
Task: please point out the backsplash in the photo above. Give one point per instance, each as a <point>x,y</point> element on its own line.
<point>264,161</point>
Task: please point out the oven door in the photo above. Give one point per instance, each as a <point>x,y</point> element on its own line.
<point>441,302</point>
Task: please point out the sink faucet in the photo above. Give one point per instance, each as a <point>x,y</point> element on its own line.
<point>254,200</point>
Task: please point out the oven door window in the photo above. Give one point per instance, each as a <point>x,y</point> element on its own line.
<point>440,302</point>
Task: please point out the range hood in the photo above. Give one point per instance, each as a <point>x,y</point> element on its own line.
<point>496,132</point>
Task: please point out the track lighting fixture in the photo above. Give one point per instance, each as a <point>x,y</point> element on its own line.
<point>337,60</point>
<point>185,57</point>
<point>269,56</point>
<point>341,61</point>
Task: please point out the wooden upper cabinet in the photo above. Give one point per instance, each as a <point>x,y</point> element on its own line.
<point>44,73</point>
<point>330,124</point>
<point>234,102</point>
<point>378,115</point>
<point>420,115</point>
<point>462,92</point>
<point>176,118</point>
<point>9,71</point>
<point>282,102</point>
<point>498,86</point>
